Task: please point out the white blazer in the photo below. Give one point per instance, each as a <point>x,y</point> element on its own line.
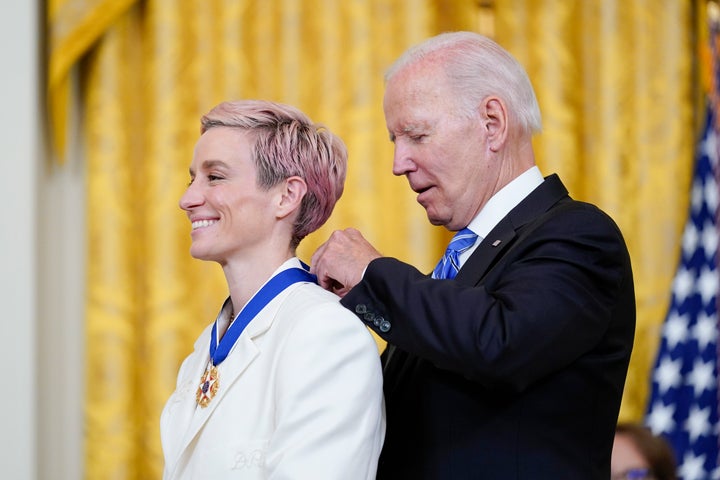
<point>300,397</point>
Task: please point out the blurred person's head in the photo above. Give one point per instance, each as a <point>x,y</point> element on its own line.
<point>638,454</point>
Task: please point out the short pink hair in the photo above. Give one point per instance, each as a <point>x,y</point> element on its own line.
<point>288,143</point>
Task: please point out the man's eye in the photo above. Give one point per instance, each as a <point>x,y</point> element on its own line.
<point>212,178</point>
<point>418,138</point>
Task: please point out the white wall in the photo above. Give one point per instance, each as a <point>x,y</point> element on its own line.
<point>18,187</point>
<point>60,339</point>
<point>41,270</point>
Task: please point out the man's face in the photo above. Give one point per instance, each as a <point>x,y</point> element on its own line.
<point>443,154</point>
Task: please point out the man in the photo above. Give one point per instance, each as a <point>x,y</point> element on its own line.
<point>515,368</point>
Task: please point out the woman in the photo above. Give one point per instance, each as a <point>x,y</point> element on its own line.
<point>285,383</point>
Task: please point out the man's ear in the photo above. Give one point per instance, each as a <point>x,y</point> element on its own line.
<point>496,122</point>
<point>292,193</point>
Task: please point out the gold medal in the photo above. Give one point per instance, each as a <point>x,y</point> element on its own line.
<point>208,386</point>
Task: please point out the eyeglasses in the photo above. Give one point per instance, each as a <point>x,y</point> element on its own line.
<point>634,474</point>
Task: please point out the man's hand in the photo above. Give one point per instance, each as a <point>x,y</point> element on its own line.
<point>340,262</point>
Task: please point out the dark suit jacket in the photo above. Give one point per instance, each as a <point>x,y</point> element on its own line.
<point>515,369</point>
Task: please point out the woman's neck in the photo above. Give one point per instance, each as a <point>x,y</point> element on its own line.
<point>245,277</point>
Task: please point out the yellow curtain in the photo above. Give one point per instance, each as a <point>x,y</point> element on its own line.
<point>614,81</point>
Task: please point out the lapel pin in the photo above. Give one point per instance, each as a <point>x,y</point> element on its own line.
<point>496,243</point>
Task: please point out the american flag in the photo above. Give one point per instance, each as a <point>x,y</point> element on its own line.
<point>683,405</point>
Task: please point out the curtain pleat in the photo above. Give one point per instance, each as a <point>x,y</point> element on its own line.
<point>114,406</point>
<point>615,83</point>
<point>73,27</point>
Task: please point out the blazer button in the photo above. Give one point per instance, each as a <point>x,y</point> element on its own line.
<point>369,317</point>
<point>378,320</point>
<point>360,308</point>
<point>384,326</point>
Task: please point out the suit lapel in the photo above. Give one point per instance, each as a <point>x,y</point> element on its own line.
<point>505,233</point>
<point>489,249</point>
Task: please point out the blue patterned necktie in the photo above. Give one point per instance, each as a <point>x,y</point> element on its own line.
<point>449,263</point>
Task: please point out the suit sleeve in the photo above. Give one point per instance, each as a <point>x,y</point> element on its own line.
<point>549,300</point>
<point>330,412</point>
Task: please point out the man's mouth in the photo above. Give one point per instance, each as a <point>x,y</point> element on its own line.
<point>421,191</point>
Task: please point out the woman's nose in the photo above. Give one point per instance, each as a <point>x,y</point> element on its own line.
<point>191,198</point>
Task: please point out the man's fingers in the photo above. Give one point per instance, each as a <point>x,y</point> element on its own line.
<point>338,263</point>
<point>315,260</point>
<point>338,288</point>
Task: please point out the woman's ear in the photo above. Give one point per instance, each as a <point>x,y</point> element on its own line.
<point>291,196</point>
<point>496,122</point>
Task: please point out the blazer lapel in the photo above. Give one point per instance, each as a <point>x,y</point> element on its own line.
<point>183,410</point>
<point>244,352</point>
<point>505,233</point>
<point>489,249</point>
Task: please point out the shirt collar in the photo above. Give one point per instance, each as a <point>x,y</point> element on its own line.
<point>505,200</point>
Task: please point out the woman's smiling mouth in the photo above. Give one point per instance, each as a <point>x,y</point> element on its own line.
<point>202,223</point>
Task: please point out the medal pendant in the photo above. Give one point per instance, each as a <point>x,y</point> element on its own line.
<point>208,386</point>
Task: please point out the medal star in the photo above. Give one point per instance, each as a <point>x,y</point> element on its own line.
<point>208,387</point>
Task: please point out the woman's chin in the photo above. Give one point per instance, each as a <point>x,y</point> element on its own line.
<point>201,254</point>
